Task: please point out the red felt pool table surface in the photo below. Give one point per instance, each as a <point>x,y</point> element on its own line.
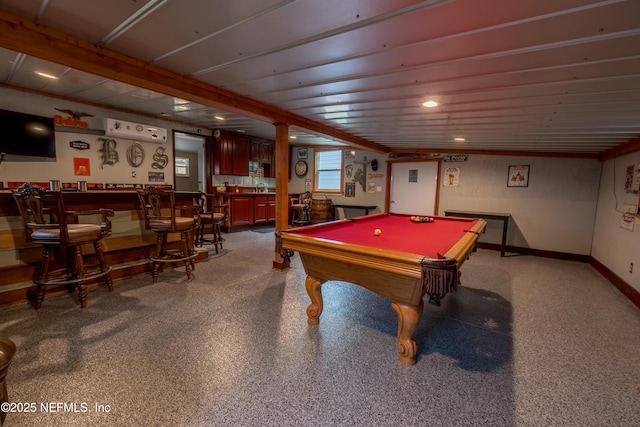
<point>399,233</point>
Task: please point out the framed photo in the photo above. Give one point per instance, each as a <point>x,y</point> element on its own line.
<point>350,189</point>
<point>302,153</point>
<point>518,176</point>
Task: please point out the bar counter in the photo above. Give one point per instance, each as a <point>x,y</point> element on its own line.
<point>127,249</point>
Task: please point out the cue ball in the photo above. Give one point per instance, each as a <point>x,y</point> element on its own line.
<point>377,232</point>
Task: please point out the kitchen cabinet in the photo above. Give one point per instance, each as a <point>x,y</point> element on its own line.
<point>265,209</point>
<point>262,152</point>
<point>261,209</point>
<point>247,209</point>
<point>270,167</point>
<point>231,154</point>
<point>271,209</point>
<point>241,150</point>
<point>223,154</point>
<point>241,210</point>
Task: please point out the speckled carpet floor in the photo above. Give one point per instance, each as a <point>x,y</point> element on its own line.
<point>525,342</point>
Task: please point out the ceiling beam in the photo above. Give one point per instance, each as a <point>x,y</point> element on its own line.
<point>23,36</point>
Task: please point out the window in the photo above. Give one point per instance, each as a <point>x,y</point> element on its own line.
<point>328,171</point>
<point>182,166</point>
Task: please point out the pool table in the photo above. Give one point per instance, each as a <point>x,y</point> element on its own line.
<point>405,262</point>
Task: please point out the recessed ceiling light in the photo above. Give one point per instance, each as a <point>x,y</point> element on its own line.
<point>240,130</point>
<point>218,118</point>
<point>293,137</point>
<point>459,139</point>
<point>430,104</point>
<point>49,76</point>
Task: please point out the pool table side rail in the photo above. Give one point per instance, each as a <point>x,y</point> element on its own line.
<point>374,268</point>
<point>461,250</point>
<point>375,258</point>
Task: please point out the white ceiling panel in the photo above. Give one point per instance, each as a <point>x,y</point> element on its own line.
<point>517,75</point>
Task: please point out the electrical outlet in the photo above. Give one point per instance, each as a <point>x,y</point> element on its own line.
<point>630,267</point>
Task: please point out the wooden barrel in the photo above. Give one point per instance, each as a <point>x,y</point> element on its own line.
<point>321,211</point>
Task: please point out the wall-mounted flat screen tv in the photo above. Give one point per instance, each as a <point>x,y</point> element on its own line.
<point>26,135</point>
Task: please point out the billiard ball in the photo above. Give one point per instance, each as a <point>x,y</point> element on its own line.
<point>377,232</point>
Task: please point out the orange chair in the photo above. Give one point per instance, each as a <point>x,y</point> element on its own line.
<point>160,215</point>
<point>47,223</point>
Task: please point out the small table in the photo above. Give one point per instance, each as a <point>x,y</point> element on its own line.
<point>407,261</point>
<point>366,208</point>
<point>504,217</point>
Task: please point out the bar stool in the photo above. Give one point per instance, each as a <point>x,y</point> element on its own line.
<point>301,209</point>
<point>47,223</point>
<point>160,215</point>
<point>213,215</point>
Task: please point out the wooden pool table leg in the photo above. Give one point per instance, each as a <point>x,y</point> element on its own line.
<point>408,319</point>
<point>314,290</point>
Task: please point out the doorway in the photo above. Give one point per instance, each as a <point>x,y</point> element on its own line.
<point>414,188</point>
<point>190,157</point>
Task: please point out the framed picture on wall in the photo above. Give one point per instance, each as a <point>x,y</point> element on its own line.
<point>350,189</point>
<point>302,153</point>
<point>518,176</point>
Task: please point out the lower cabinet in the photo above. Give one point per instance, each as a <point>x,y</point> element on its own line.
<point>265,207</point>
<point>271,209</point>
<point>251,209</point>
<point>242,210</point>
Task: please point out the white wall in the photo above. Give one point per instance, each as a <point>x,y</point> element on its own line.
<point>556,212</point>
<point>23,169</point>
<point>614,246</point>
<point>62,167</point>
<point>362,197</point>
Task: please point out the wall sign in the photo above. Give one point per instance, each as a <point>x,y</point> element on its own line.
<point>135,154</point>
<point>81,167</point>
<point>79,145</point>
<point>109,155</point>
<point>160,159</point>
<point>518,176</point>
<point>456,158</point>
<point>156,176</point>
<point>451,177</point>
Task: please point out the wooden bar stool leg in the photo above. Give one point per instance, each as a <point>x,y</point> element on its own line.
<point>104,268</point>
<point>155,265</point>
<point>216,236</point>
<point>192,246</point>
<point>78,267</point>
<point>43,276</point>
<point>184,236</point>
<point>200,235</point>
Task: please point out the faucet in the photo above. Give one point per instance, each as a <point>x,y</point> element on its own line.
<point>261,188</point>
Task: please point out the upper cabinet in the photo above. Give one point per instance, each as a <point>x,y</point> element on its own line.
<point>241,152</point>
<point>231,153</point>
<point>261,151</point>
